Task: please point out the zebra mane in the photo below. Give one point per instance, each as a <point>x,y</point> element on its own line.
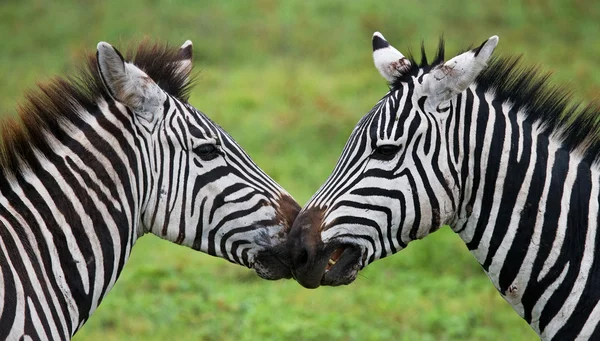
<point>528,89</point>
<point>423,64</point>
<point>47,108</point>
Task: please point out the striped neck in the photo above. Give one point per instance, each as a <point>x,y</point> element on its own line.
<point>73,214</point>
<point>528,213</point>
<point>115,206</point>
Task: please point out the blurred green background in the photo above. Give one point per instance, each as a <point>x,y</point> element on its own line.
<point>289,80</point>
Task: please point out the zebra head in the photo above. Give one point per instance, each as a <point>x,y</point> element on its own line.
<point>397,179</point>
<point>199,188</point>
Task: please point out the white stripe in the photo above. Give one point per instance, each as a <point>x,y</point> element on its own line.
<point>520,118</point>
<point>383,121</point>
<point>499,258</point>
<point>541,303</point>
<point>482,249</point>
<point>30,272</point>
<point>590,324</point>
<point>87,222</point>
<point>467,233</point>
<point>534,244</point>
<point>35,320</point>
<point>562,220</point>
<point>18,326</point>
<point>462,131</point>
<point>48,238</point>
<point>2,289</point>
<point>569,305</point>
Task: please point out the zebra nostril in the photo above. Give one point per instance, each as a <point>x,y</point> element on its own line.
<point>302,259</point>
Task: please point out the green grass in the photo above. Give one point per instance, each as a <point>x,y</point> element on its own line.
<point>167,292</point>
<point>289,80</point>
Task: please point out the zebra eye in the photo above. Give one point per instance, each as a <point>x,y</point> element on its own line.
<point>385,152</point>
<point>207,151</point>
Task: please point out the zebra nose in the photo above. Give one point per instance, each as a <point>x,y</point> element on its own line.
<point>306,246</point>
<point>302,255</point>
<point>305,259</point>
<point>288,211</point>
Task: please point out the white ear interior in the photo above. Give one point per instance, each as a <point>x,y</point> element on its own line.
<point>486,49</point>
<point>389,62</point>
<point>185,53</point>
<point>457,74</point>
<point>112,68</point>
<point>126,82</point>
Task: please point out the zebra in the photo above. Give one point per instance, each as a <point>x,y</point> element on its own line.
<point>99,159</point>
<point>485,146</point>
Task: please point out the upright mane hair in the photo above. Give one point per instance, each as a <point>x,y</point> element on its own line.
<point>527,88</point>
<point>47,108</point>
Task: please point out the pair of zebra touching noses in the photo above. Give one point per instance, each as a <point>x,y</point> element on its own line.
<point>482,145</point>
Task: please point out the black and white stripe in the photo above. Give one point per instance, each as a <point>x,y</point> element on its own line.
<point>100,161</point>
<point>494,153</point>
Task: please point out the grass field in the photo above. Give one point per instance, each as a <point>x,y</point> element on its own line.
<point>289,80</point>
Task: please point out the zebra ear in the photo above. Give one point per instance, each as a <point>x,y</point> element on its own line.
<point>389,62</point>
<point>457,74</point>
<point>185,61</point>
<point>125,82</point>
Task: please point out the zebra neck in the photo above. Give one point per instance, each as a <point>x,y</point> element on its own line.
<point>69,220</point>
<point>529,215</point>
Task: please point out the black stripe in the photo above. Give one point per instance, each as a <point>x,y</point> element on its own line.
<point>27,286</point>
<point>392,114</point>
<point>515,176</point>
<point>374,208</point>
<point>553,208</point>
<point>464,168</point>
<point>9,306</point>
<point>212,234</point>
<point>491,169</point>
<point>522,240</point>
<point>571,250</point>
<point>199,228</point>
<point>590,296</point>
<point>436,162</point>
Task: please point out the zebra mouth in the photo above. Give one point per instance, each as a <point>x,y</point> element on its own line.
<point>343,265</point>
<point>335,257</point>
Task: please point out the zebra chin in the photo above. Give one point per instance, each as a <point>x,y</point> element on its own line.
<point>336,264</point>
<point>273,260</point>
<point>343,266</point>
<point>272,263</point>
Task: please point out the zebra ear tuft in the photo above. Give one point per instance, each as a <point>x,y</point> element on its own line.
<point>456,75</point>
<point>125,82</point>
<point>389,62</point>
<point>185,55</point>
